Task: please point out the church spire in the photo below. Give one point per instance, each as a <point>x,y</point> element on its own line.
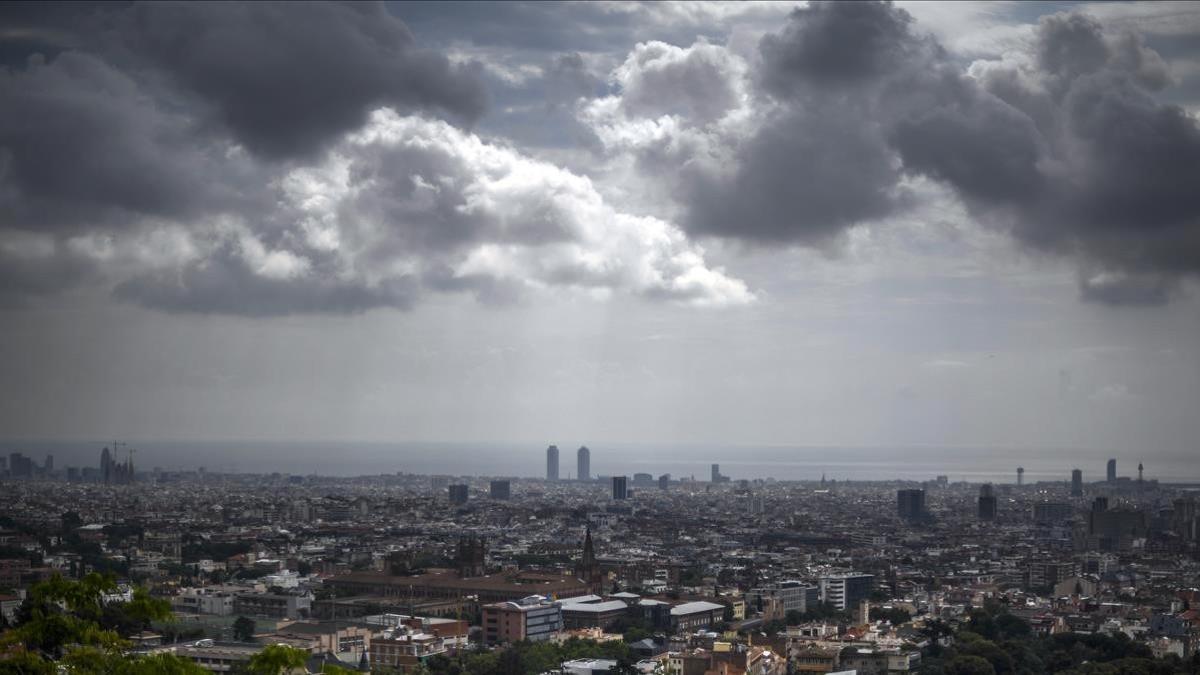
<point>588,569</point>
<point>589,549</point>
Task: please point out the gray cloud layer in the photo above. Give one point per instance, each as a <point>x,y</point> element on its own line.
<point>262,159</point>
<point>1065,147</point>
<point>286,78</point>
<point>244,158</point>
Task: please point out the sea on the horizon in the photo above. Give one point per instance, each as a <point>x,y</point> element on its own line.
<point>351,458</point>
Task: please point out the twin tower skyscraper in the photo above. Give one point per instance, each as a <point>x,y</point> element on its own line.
<point>583,458</point>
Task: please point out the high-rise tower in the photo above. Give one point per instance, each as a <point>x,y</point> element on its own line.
<point>987,502</point>
<point>106,463</point>
<point>620,488</point>
<point>1076,483</point>
<point>500,489</point>
<point>910,504</point>
<point>1020,475</point>
<point>583,463</point>
<point>1111,474</point>
<point>552,463</point>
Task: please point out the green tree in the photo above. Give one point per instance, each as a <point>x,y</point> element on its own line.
<point>110,662</point>
<point>276,660</point>
<point>61,622</point>
<point>59,612</point>
<point>243,629</point>
<point>973,645</point>
<point>136,615</point>
<point>636,633</point>
<point>935,630</point>
<point>1011,627</point>
<point>895,616</point>
<point>969,665</point>
<point>483,663</point>
<point>16,660</point>
<point>70,520</point>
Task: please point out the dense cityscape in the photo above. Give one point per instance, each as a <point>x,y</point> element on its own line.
<point>416,573</point>
<point>880,320</point>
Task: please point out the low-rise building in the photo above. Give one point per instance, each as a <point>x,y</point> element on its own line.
<point>339,637</point>
<point>691,616</point>
<point>217,657</point>
<point>534,618</point>
<point>593,614</point>
<point>272,605</point>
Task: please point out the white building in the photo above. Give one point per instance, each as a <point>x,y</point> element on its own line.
<point>845,591</point>
<point>282,579</point>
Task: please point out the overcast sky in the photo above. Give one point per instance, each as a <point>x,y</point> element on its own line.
<point>859,224</point>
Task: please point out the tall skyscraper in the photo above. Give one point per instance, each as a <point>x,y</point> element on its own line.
<point>501,489</point>
<point>106,466</point>
<point>987,502</point>
<point>458,494</point>
<point>1076,483</point>
<point>1140,469</point>
<point>20,466</point>
<point>1020,475</point>
<point>716,473</point>
<point>619,487</point>
<point>664,481</point>
<point>552,463</point>
<point>583,463</point>
<point>910,504</point>
<point>1112,471</point>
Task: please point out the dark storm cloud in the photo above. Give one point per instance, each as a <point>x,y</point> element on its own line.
<point>833,43</point>
<point>119,135</point>
<point>114,112</point>
<point>1071,152</point>
<point>968,138</point>
<point>84,144</point>
<point>821,161</point>
<point>262,159</point>
<point>803,177</point>
<point>1122,167</point>
<point>288,77</point>
<point>214,154</point>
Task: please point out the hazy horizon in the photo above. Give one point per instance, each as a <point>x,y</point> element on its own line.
<point>353,458</point>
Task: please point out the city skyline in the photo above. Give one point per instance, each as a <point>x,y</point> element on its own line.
<point>16,465</point>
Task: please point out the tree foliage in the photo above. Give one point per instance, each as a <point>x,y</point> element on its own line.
<point>243,629</point>
<point>67,623</point>
<point>529,658</point>
<point>276,660</point>
<point>992,640</point>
